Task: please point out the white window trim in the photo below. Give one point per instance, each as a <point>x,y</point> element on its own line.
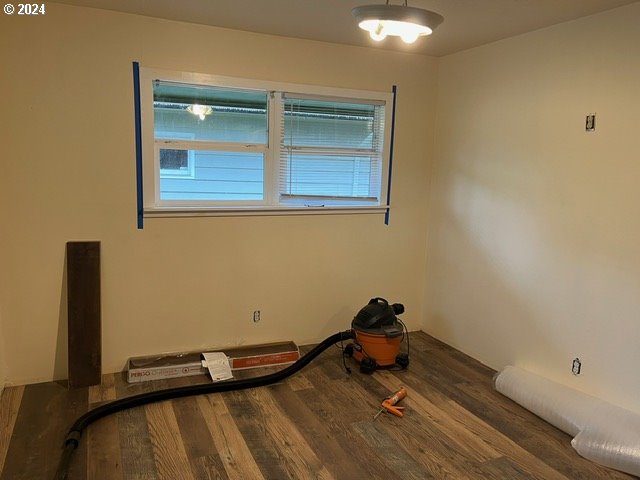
<point>154,207</point>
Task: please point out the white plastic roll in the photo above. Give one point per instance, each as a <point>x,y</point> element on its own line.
<point>563,407</point>
<point>612,439</point>
<point>604,433</point>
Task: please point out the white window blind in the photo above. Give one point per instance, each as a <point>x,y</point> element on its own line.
<point>331,151</point>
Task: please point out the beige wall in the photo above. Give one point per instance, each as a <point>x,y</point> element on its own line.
<point>68,174</point>
<point>534,249</point>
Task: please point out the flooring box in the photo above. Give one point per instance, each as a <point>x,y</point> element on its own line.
<point>172,365</point>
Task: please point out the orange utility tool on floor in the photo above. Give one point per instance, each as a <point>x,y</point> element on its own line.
<point>389,404</point>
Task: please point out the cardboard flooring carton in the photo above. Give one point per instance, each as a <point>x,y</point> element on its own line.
<point>172,365</point>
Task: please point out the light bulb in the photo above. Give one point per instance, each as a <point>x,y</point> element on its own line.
<point>378,34</point>
<point>409,37</point>
<point>200,111</point>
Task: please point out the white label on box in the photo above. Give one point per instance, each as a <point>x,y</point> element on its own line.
<point>218,365</point>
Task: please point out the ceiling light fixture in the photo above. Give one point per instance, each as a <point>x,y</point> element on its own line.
<point>200,110</point>
<point>402,21</point>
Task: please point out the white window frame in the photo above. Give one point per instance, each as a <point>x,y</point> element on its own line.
<point>153,206</point>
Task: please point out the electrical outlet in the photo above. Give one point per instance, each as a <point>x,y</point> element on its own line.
<point>256,316</point>
<point>576,366</point>
<point>590,122</point>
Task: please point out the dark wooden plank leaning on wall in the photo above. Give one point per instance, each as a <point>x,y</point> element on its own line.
<point>83,301</point>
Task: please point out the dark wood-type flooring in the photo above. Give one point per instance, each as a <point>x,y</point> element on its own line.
<point>316,424</point>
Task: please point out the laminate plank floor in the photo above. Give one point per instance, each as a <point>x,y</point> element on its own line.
<point>317,424</point>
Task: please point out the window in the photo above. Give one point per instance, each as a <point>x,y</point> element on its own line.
<point>176,163</point>
<point>216,144</point>
<point>331,152</point>
<point>226,138</point>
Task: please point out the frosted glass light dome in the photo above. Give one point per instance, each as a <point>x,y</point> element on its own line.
<point>402,21</point>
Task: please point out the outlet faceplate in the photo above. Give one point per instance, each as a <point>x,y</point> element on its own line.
<point>576,366</point>
<point>590,122</point>
<point>256,316</point>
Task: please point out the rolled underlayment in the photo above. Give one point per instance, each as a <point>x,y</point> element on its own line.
<point>604,433</point>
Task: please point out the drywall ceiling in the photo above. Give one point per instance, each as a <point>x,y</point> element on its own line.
<point>468,23</point>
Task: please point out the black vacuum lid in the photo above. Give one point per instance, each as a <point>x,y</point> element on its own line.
<point>379,318</point>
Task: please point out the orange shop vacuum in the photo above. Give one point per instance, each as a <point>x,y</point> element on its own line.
<point>379,334</point>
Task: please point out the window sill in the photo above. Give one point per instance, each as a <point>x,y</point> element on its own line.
<point>165,212</point>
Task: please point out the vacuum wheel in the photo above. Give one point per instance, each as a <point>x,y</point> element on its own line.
<point>402,360</point>
<point>368,365</point>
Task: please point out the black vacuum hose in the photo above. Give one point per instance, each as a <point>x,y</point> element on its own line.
<point>75,432</point>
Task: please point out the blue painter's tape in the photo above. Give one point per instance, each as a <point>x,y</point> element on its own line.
<point>138,132</point>
<point>394,89</point>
